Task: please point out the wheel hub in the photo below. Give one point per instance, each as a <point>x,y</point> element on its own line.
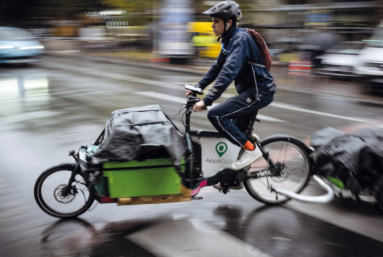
<point>61,197</point>
<point>284,173</point>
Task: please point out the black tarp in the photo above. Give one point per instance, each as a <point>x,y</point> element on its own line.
<point>137,133</point>
<point>355,158</point>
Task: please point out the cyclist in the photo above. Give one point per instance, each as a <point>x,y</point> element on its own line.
<point>241,61</point>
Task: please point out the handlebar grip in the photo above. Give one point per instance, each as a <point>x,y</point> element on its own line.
<point>204,107</point>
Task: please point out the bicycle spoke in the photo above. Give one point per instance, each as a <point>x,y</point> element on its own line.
<point>292,163</point>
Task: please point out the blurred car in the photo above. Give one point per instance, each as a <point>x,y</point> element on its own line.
<point>206,45</point>
<point>370,66</point>
<point>283,49</point>
<point>18,46</point>
<point>341,59</point>
<point>204,40</point>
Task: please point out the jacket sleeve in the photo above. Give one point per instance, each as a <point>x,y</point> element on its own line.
<point>230,69</point>
<point>212,74</point>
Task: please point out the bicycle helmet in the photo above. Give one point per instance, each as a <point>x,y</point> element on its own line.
<point>225,10</point>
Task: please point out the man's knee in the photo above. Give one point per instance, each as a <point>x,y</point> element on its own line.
<point>212,114</point>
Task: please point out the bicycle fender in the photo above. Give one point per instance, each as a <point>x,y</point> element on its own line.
<point>299,142</point>
<point>288,138</point>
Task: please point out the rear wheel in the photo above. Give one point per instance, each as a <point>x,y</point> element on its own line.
<point>291,158</point>
<point>50,194</point>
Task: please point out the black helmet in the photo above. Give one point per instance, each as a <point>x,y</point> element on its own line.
<point>225,10</point>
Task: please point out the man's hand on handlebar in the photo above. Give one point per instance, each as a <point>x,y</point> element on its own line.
<point>189,92</point>
<point>200,106</point>
<point>193,90</point>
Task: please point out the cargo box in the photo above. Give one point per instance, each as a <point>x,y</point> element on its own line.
<point>151,177</point>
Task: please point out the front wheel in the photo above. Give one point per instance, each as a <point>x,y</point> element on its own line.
<point>291,158</point>
<point>50,190</point>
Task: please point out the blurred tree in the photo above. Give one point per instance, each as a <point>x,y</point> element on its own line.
<point>140,12</point>
<point>22,12</point>
<point>26,12</point>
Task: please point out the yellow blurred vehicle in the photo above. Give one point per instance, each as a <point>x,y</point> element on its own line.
<point>204,39</point>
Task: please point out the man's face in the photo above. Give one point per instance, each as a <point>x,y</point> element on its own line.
<point>218,26</point>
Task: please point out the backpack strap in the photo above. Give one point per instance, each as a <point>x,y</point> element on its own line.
<point>256,64</point>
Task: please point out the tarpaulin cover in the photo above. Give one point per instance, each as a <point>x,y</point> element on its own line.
<point>132,133</point>
<point>356,158</point>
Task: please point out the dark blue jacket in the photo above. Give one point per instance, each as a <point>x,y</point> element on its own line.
<point>234,65</point>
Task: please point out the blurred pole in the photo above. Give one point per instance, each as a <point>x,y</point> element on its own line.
<point>155,27</point>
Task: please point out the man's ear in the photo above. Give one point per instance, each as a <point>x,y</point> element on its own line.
<point>228,24</point>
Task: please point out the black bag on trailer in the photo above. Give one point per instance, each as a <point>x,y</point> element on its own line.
<point>140,133</point>
<point>356,158</point>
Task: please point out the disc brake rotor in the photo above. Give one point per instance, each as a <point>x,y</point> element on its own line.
<point>59,194</point>
<point>284,172</point>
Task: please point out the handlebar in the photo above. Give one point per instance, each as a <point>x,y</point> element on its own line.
<point>195,90</point>
<point>193,99</point>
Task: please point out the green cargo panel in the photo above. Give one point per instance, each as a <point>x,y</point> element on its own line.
<point>148,178</point>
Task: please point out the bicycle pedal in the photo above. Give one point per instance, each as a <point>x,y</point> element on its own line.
<point>197,198</point>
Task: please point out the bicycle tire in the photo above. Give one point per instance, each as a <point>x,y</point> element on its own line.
<point>48,209</point>
<point>296,151</point>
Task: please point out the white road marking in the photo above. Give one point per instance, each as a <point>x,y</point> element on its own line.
<point>282,238</point>
<point>191,237</point>
<point>162,96</point>
<point>268,118</point>
<point>175,87</point>
<point>182,100</point>
<point>117,76</point>
<point>299,109</point>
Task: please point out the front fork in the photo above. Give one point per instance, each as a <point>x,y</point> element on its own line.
<point>76,171</point>
<point>191,160</point>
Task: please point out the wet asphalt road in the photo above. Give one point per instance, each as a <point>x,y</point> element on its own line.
<point>50,108</point>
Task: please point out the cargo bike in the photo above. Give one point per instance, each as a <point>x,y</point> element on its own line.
<point>68,190</point>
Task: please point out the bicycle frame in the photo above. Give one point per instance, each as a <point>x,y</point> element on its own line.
<point>272,169</point>
<point>207,134</point>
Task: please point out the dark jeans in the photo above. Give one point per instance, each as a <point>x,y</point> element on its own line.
<point>234,110</point>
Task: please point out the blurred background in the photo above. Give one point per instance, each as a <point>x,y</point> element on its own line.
<point>340,39</point>
<point>333,38</point>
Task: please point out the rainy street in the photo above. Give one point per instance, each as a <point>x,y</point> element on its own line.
<point>52,107</point>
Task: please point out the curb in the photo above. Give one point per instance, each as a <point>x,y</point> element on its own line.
<point>200,73</point>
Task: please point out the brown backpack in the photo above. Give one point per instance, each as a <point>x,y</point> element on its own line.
<point>262,47</point>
